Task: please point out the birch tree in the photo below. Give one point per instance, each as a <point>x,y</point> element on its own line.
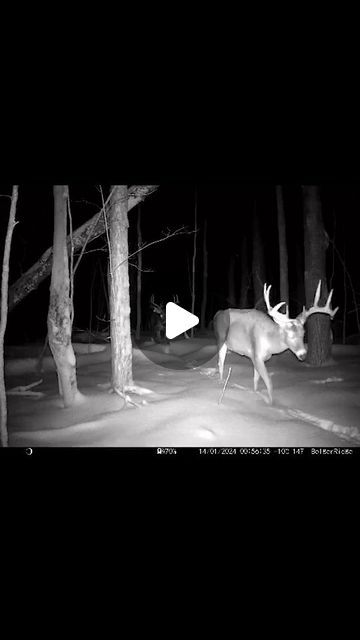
<point>4,312</point>
<point>60,314</point>
<point>121,345</point>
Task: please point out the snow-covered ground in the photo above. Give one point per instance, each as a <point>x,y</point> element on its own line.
<point>313,407</point>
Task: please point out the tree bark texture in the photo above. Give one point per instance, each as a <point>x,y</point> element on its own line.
<point>121,346</point>
<point>258,265</point>
<point>205,276</point>
<point>283,256</point>
<point>88,232</point>
<point>59,314</point>
<point>231,297</point>
<point>194,263</point>
<point>244,277</point>
<point>138,278</point>
<point>318,325</point>
<point>4,311</point>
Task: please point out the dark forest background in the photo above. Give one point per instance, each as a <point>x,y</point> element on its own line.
<point>229,209</point>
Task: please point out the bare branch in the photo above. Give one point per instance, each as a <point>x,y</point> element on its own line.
<point>177,232</point>
<point>84,234</point>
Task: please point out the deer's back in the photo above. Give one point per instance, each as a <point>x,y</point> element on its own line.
<point>241,328</point>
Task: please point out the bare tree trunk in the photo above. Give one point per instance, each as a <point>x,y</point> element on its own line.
<point>258,265</point>
<point>283,256</point>
<point>194,263</point>
<point>4,312</point>
<point>105,284</point>
<point>60,313</point>
<point>205,275</point>
<point>244,282</point>
<point>345,300</point>
<point>231,298</point>
<point>299,270</point>
<point>88,232</point>
<point>139,269</point>
<point>121,346</point>
<point>318,325</point>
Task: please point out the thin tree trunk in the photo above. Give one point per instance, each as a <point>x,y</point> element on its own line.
<point>283,256</point>
<point>231,298</point>
<point>205,275</point>
<point>244,282</point>
<point>4,440</point>
<point>345,301</point>
<point>59,314</point>
<point>105,284</point>
<point>121,346</point>
<point>88,232</point>
<point>139,271</point>
<point>194,263</point>
<point>299,270</point>
<point>258,264</point>
<point>318,325</point>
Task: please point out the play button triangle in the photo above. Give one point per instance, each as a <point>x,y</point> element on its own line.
<point>178,320</point>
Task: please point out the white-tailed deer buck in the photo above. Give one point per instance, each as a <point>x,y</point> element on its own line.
<point>157,320</point>
<point>254,334</point>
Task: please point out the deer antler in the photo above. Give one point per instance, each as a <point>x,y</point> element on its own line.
<point>156,307</point>
<point>315,307</point>
<point>280,318</point>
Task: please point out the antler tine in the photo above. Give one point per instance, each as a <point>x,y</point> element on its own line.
<point>317,294</point>
<point>280,318</point>
<point>331,312</point>
<point>267,296</point>
<point>315,307</point>
<point>277,306</point>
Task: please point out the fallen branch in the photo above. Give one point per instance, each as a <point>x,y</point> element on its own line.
<point>88,232</point>
<point>224,387</point>
<point>24,390</point>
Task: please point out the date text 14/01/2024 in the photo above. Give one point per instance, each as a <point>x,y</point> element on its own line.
<point>234,451</point>
<point>277,451</point>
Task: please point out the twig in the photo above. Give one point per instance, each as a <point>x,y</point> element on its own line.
<point>350,281</point>
<point>102,210</point>
<point>25,390</point>
<point>177,232</point>
<point>126,398</point>
<point>224,387</point>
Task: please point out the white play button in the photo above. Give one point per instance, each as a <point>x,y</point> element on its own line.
<point>178,320</point>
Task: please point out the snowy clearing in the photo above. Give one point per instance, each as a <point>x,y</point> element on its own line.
<point>312,406</point>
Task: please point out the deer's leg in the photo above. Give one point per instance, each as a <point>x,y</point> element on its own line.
<point>260,370</point>
<point>222,354</point>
